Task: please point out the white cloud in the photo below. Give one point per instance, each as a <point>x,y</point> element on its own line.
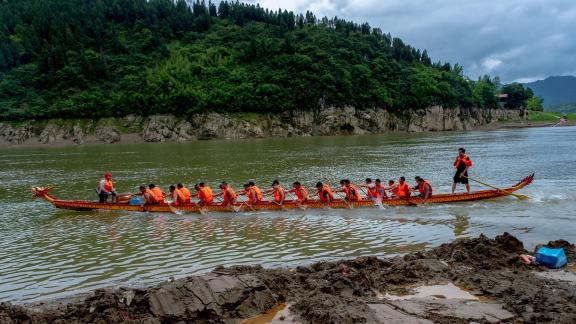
<point>491,63</point>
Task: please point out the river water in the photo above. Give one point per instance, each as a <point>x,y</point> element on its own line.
<point>48,253</point>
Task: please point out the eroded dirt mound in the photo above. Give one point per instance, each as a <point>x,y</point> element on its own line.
<point>347,291</point>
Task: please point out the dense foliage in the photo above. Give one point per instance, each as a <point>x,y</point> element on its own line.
<point>77,58</point>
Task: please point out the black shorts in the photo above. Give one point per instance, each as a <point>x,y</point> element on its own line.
<point>462,180</point>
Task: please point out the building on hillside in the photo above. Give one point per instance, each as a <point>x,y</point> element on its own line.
<point>502,98</point>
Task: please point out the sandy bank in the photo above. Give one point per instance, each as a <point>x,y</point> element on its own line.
<point>366,289</point>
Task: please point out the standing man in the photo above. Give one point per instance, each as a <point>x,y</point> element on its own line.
<point>462,164</point>
<point>106,188</point>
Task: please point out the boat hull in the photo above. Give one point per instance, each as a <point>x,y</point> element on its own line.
<point>81,205</point>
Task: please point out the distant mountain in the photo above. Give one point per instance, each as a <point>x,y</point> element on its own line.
<point>557,91</point>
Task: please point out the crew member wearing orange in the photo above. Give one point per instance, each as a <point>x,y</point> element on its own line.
<point>393,188</point>
<point>278,192</point>
<point>372,191</point>
<point>185,192</point>
<point>178,197</point>
<point>228,194</point>
<point>301,193</point>
<point>350,192</point>
<point>204,194</point>
<point>380,188</point>
<point>105,188</point>
<point>152,195</point>
<point>253,193</point>
<point>424,188</point>
<point>324,192</point>
<point>462,164</point>
<point>403,188</point>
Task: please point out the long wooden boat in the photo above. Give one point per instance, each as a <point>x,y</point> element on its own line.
<point>83,205</point>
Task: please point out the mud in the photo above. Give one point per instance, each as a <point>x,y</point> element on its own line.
<point>347,291</point>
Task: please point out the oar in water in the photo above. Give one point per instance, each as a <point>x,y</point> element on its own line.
<point>521,197</point>
<point>175,210</point>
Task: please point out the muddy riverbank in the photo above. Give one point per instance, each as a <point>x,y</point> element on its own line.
<point>366,289</point>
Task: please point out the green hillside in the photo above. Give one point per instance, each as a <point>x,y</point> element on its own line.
<point>558,92</point>
<point>100,58</point>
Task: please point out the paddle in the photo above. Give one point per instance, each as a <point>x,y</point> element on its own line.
<point>521,197</point>
<point>175,210</point>
<point>296,199</point>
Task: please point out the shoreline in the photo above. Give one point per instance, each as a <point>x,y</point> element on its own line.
<point>473,279</point>
<point>135,138</point>
<point>327,122</point>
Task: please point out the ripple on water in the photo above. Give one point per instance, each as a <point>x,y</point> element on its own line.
<point>47,253</point>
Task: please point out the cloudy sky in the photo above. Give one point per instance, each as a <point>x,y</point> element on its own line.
<point>518,40</point>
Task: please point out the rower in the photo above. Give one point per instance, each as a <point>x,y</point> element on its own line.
<point>392,188</point>
<point>350,192</point>
<point>324,192</point>
<point>105,188</point>
<point>204,194</point>
<point>380,188</point>
<point>178,197</point>
<point>462,164</point>
<point>353,194</point>
<point>152,195</point>
<point>180,187</point>
<point>278,192</point>
<point>301,193</point>
<point>403,188</point>
<point>228,194</point>
<point>253,193</point>
<point>424,188</point>
<point>372,192</point>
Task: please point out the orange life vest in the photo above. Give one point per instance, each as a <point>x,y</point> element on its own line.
<point>403,190</point>
<point>325,194</point>
<point>466,160</point>
<point>180,197</point>
<point>108,185</point>
<point>157,195</point>
<point>228,196</point>
<point>186,194</point>
<point>373,192</point>
<point>352,193</point>
<point>253,190</point>
<point>300,193</point>
<point>205,195</point>
<point>279,194</point>
<point>422,186</point>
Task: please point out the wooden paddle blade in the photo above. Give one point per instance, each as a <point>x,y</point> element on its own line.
<point>175,210</point>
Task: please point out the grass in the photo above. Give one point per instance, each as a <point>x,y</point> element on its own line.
<point>552,117</point>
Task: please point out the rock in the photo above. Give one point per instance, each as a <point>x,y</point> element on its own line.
<point>49,134</point>
<point>388,314</point>
<point>450,308</point>
<point>210,297</point>
<point>107,134</point>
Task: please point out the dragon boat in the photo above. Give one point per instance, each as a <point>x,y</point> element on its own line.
<point>83,205</point>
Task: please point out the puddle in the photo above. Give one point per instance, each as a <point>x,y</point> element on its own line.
<point>447,291</point>
<point>275,315</point>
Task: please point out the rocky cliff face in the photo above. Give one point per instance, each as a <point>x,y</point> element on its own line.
<point>330,121</point>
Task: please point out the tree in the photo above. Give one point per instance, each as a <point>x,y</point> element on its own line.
<point>535,103</point>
